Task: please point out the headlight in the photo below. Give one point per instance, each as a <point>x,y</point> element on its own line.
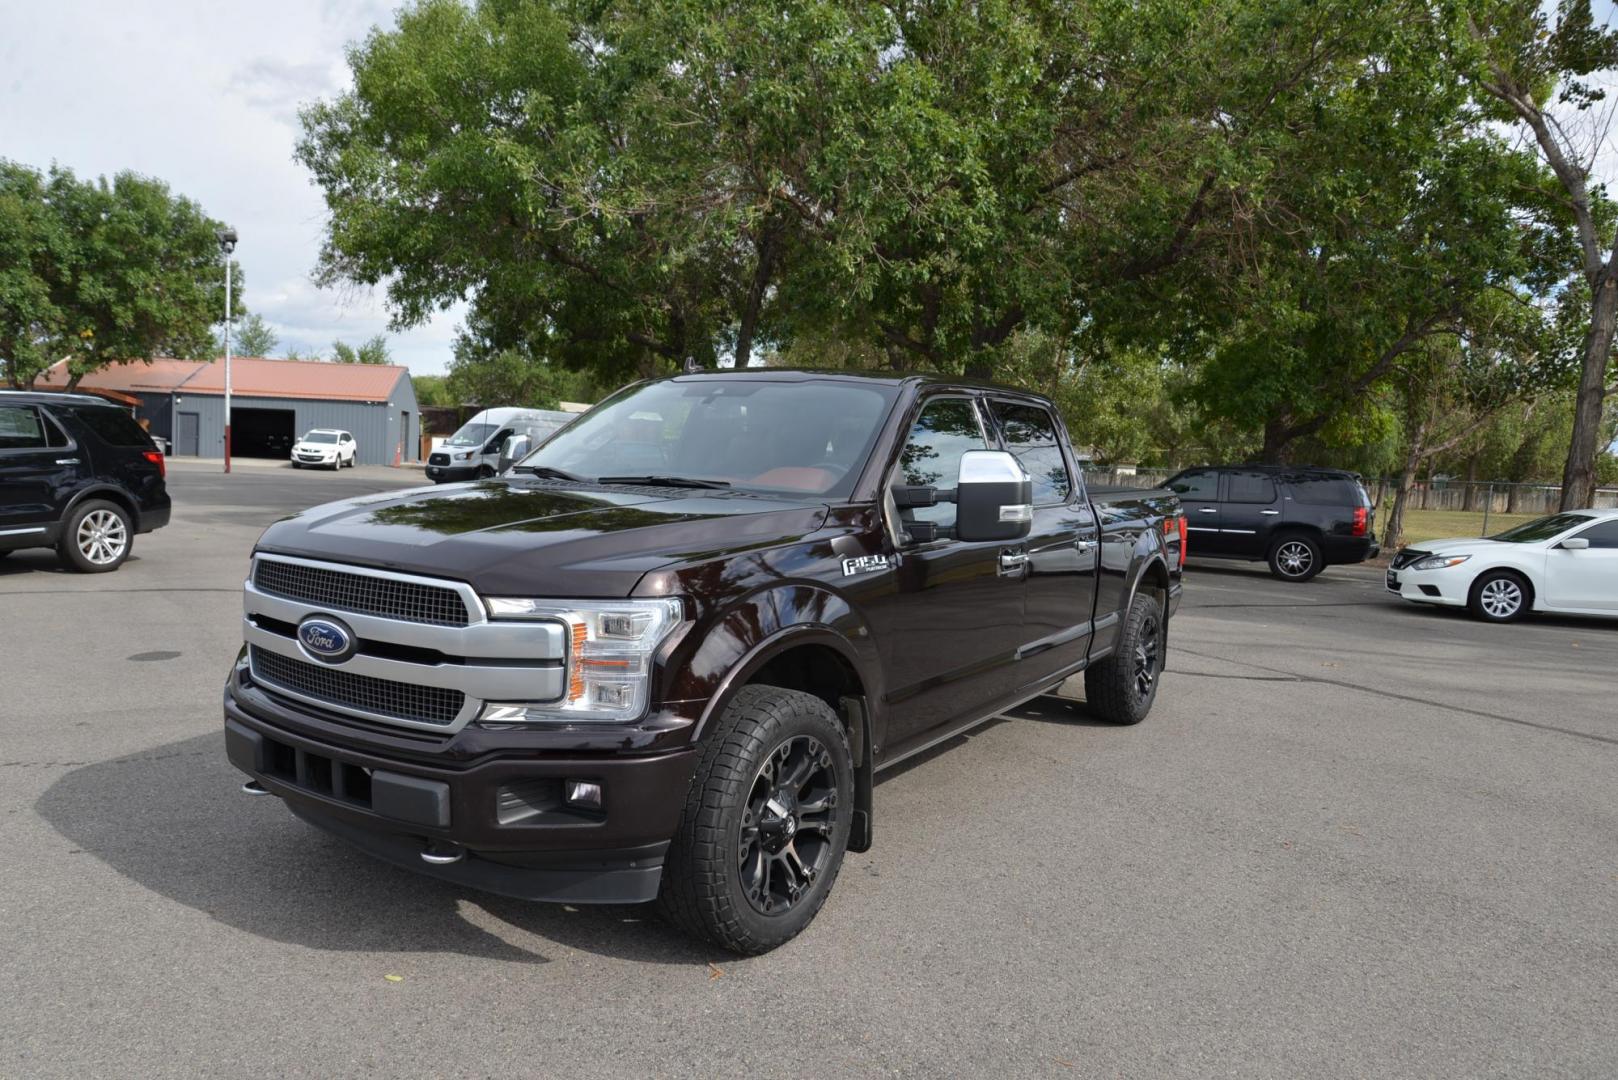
<point>1438,562</point>
<point>609,658</point>
<point>464,455</point>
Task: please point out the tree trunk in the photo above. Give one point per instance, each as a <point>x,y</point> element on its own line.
<point>1579,476</point>
<point>1393,536</point>
<point>1277,449</point>
<point>763,271</point>
<point>1471,503</point>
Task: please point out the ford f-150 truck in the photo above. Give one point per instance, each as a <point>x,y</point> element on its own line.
<point>663,657</point>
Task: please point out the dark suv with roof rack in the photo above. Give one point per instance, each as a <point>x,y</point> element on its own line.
<point>77,474</point>
<point>1299,519</point>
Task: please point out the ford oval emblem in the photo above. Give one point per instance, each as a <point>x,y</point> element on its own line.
<point>326,639</point>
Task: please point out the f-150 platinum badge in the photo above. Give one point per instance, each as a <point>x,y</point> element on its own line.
<point>865,564</point>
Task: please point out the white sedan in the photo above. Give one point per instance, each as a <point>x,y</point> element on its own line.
<point>328,448</point>
<point>1566,563</point>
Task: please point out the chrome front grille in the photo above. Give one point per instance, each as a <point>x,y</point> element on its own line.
<point>1406,557</point>
<point>438,459</point>
<point>362,693</point>
<point>363,594</point>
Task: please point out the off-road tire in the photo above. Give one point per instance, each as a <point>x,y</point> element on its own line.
<point>78,553</point>
<point>702,891</point>
<point>1489,597</point>
<point>1113,687</point>
<point>1286,552</point>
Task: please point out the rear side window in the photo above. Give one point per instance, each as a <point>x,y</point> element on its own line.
<point>1249,486</point>
<point>945,430</point>
<point>1604,535</point>
<point>1328,491</point>
<point>21,428</point>
<point>1198,486</point>
<point>114,427</point>
<point>1030,435</point>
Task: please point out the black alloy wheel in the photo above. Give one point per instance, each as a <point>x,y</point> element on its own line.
<point>788,825</point>
<point>1148,650</point>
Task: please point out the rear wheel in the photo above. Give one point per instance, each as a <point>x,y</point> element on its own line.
<point>765,824</point>
<point>97,537</point>
<point>1121,688</point>
<point>1296,557</point>
<point>1499,596</point>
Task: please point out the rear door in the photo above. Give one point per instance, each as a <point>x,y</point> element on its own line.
<point>1198,490</point>
<point>1063,547</point>
<point>950,629</point>
<point>39,469</point>
<point>1249,512</point>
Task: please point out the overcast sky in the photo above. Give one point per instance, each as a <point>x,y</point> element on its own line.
<point>204,95</point>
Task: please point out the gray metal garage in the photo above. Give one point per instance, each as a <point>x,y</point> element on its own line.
<point>273,402</point>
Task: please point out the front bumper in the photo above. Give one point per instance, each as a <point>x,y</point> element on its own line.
<point>447,474</point>
<point>519,838</point>
<point>1429,586</point>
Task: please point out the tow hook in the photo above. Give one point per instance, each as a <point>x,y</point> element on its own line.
<point>442,853</point>
<point>253,787</point>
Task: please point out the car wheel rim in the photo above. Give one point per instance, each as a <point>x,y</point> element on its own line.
<point>1501,598</point>
<point>788,822</point>
<point>102,537</point>
<point>1146,659</point>
<point>1294,558</point>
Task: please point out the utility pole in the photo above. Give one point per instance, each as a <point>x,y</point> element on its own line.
<point>227,244</point>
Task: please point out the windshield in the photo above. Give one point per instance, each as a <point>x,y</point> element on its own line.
<point>802,438</point>
<point>473,434</point>
<point>320,437</point>
<point>1542,528</point>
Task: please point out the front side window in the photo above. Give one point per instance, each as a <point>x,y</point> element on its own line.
<point>21,428</point>
<point>1202,486</point>
<point>471,435</point>
<point>945,430</point>
<point>1251,486</point>
<point>1604,535</point>
<point>1030,434</point>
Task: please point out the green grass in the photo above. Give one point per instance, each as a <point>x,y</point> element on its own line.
<point>1423,525</point>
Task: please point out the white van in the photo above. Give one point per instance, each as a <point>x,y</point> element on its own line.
<point>473,452</point>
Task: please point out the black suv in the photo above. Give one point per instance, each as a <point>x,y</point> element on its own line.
<point>77,474</point>
<point>1298,519</point>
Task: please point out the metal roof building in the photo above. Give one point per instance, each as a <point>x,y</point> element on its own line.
<point>273,402</point>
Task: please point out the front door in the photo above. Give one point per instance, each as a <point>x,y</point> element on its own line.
<point>38,468</point>
<point>1249,512</point>
<point>1585,580</point>
<point>1063,547</point>
<point>950,628</point>
<point>186,429</point>
<point>1198,490</point>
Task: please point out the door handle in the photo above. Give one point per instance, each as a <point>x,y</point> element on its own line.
<point>1207,509</point>
<point>1012,563</point>
<point>1084,544</point>
<point>67,461</point>
<point>1269,513</point>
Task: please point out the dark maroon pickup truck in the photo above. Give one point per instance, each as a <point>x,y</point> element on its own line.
<point>662,656</point>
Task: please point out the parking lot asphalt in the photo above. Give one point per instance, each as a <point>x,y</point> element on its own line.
<point>1355,838</point>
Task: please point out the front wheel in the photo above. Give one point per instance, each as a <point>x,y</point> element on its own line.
<point>96,538</point>
<point>1121,688</point>
<point>765,824</point>
<point>1296,558</point>
<point>1499,596</point>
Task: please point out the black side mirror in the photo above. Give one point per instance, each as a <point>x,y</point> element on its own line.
<point>994,498</point>
<point>513,450</point>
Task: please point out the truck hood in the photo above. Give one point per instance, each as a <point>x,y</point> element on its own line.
<point>527,537</point>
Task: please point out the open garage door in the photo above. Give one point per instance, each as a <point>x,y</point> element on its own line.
<point>265,433</point>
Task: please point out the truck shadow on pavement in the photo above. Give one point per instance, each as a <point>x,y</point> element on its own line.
<point>172,820</point>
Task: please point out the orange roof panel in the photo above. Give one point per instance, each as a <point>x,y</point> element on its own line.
<point>250,376</point>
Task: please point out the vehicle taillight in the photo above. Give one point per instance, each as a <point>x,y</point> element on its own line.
<point>1360,516</point>
<point>1176,524</point>
<point>1184,538</point>
<point>156,458</point>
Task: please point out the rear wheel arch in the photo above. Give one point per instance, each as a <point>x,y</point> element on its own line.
<point>105,493</point>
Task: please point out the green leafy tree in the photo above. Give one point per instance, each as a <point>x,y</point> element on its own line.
<point>432,391</point>
<point>253,337</point>
<point>102,272</point>
<point>372,351</point>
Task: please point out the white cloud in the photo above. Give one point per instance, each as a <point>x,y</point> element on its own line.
<point>205,96</point>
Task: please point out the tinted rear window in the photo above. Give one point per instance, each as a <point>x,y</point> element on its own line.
<point>114,427</point>
<point>1328,491</point>
<point>1248,486</point>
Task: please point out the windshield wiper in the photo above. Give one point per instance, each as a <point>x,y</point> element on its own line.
<point>548,471</point>
<point>663,481</point>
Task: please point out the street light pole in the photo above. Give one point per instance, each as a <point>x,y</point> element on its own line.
<point>227,244</point>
